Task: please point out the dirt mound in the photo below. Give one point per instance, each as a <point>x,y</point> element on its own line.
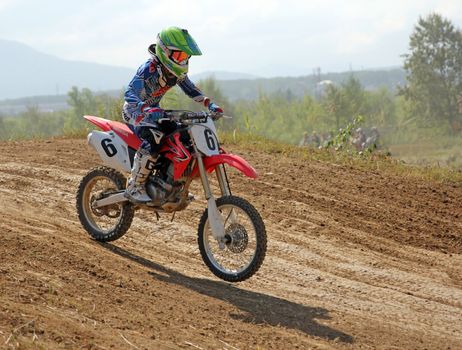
<point>355,260</point>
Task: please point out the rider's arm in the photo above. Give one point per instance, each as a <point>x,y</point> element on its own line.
<point>133,94</point>
<point>192,91</point>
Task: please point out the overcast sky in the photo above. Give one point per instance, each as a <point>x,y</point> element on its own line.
<point>261,37</point>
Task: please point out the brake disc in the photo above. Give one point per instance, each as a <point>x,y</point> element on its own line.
<point>238,238</point>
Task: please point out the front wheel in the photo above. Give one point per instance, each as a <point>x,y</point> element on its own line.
<point>245,240</point>
<point>106,223</point>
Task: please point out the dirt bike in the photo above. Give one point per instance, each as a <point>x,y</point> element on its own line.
<point>231,232</point>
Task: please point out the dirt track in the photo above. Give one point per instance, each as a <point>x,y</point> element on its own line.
<point>355,260</point>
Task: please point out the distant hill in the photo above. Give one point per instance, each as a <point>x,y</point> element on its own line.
<point>45,103</point>
<point>299,86</point>
<point>223,75</point>
<point>239,89</point>
<point>25,71</point>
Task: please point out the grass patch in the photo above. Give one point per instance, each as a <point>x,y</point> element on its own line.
<point>378,162</point>
<point>442,151</point>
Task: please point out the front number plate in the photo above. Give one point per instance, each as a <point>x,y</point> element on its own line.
<point>205,137</point>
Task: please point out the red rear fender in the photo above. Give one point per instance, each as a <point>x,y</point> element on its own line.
<point>119,128</point>
<point>101,123</point>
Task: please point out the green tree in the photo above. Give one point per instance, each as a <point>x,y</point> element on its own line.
<point>434,71</point>
<point>380,109</point>
<point>344,103</point>
<point>353,98</point>
<point>81,102</point>
<point>333,103</point>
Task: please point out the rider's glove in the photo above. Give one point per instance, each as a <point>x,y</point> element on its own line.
<point>152,115</point>
<point>213,107</point>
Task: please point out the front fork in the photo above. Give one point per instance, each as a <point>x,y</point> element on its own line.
<point>225,190</point>
<point>222,180</point>
<point>215,219</point>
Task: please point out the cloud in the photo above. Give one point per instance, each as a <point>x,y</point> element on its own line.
<point>4,4</point>
<point>450,8</point>
<point>352,42</point>
<point>243,35</point>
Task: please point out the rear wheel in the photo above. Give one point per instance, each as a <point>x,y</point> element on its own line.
<point>245,237</point>
<point>110,222</point>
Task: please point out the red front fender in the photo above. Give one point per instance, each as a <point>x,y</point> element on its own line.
<point>210,163</point>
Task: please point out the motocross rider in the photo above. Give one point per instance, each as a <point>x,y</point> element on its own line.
<point>167,67</point>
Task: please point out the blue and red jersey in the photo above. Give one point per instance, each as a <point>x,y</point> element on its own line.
<point>149,85</point>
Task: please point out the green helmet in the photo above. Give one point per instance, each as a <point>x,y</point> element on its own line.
<point>174,46</point>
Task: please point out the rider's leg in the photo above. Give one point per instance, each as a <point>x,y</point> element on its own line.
<point>143,163</point>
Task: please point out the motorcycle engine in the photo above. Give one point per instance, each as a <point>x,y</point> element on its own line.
<point>159,185</point>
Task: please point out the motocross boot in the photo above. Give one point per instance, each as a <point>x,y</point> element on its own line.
<point>142,166</point>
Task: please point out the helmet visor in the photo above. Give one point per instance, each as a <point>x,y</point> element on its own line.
<point>179,57</point>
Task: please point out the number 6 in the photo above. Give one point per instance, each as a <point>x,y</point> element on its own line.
<point>209,139</point>
<point>108,147</point>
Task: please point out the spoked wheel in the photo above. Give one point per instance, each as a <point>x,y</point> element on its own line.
<point>107,223</point>
<point>245,240</point>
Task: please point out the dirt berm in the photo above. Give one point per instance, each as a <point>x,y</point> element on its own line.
<point>356,260</point>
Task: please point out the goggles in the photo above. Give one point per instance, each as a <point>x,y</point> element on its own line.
<point>179,57</point>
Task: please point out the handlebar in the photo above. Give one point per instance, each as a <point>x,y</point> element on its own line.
<point>185,116</point>
<point>182,115</point>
